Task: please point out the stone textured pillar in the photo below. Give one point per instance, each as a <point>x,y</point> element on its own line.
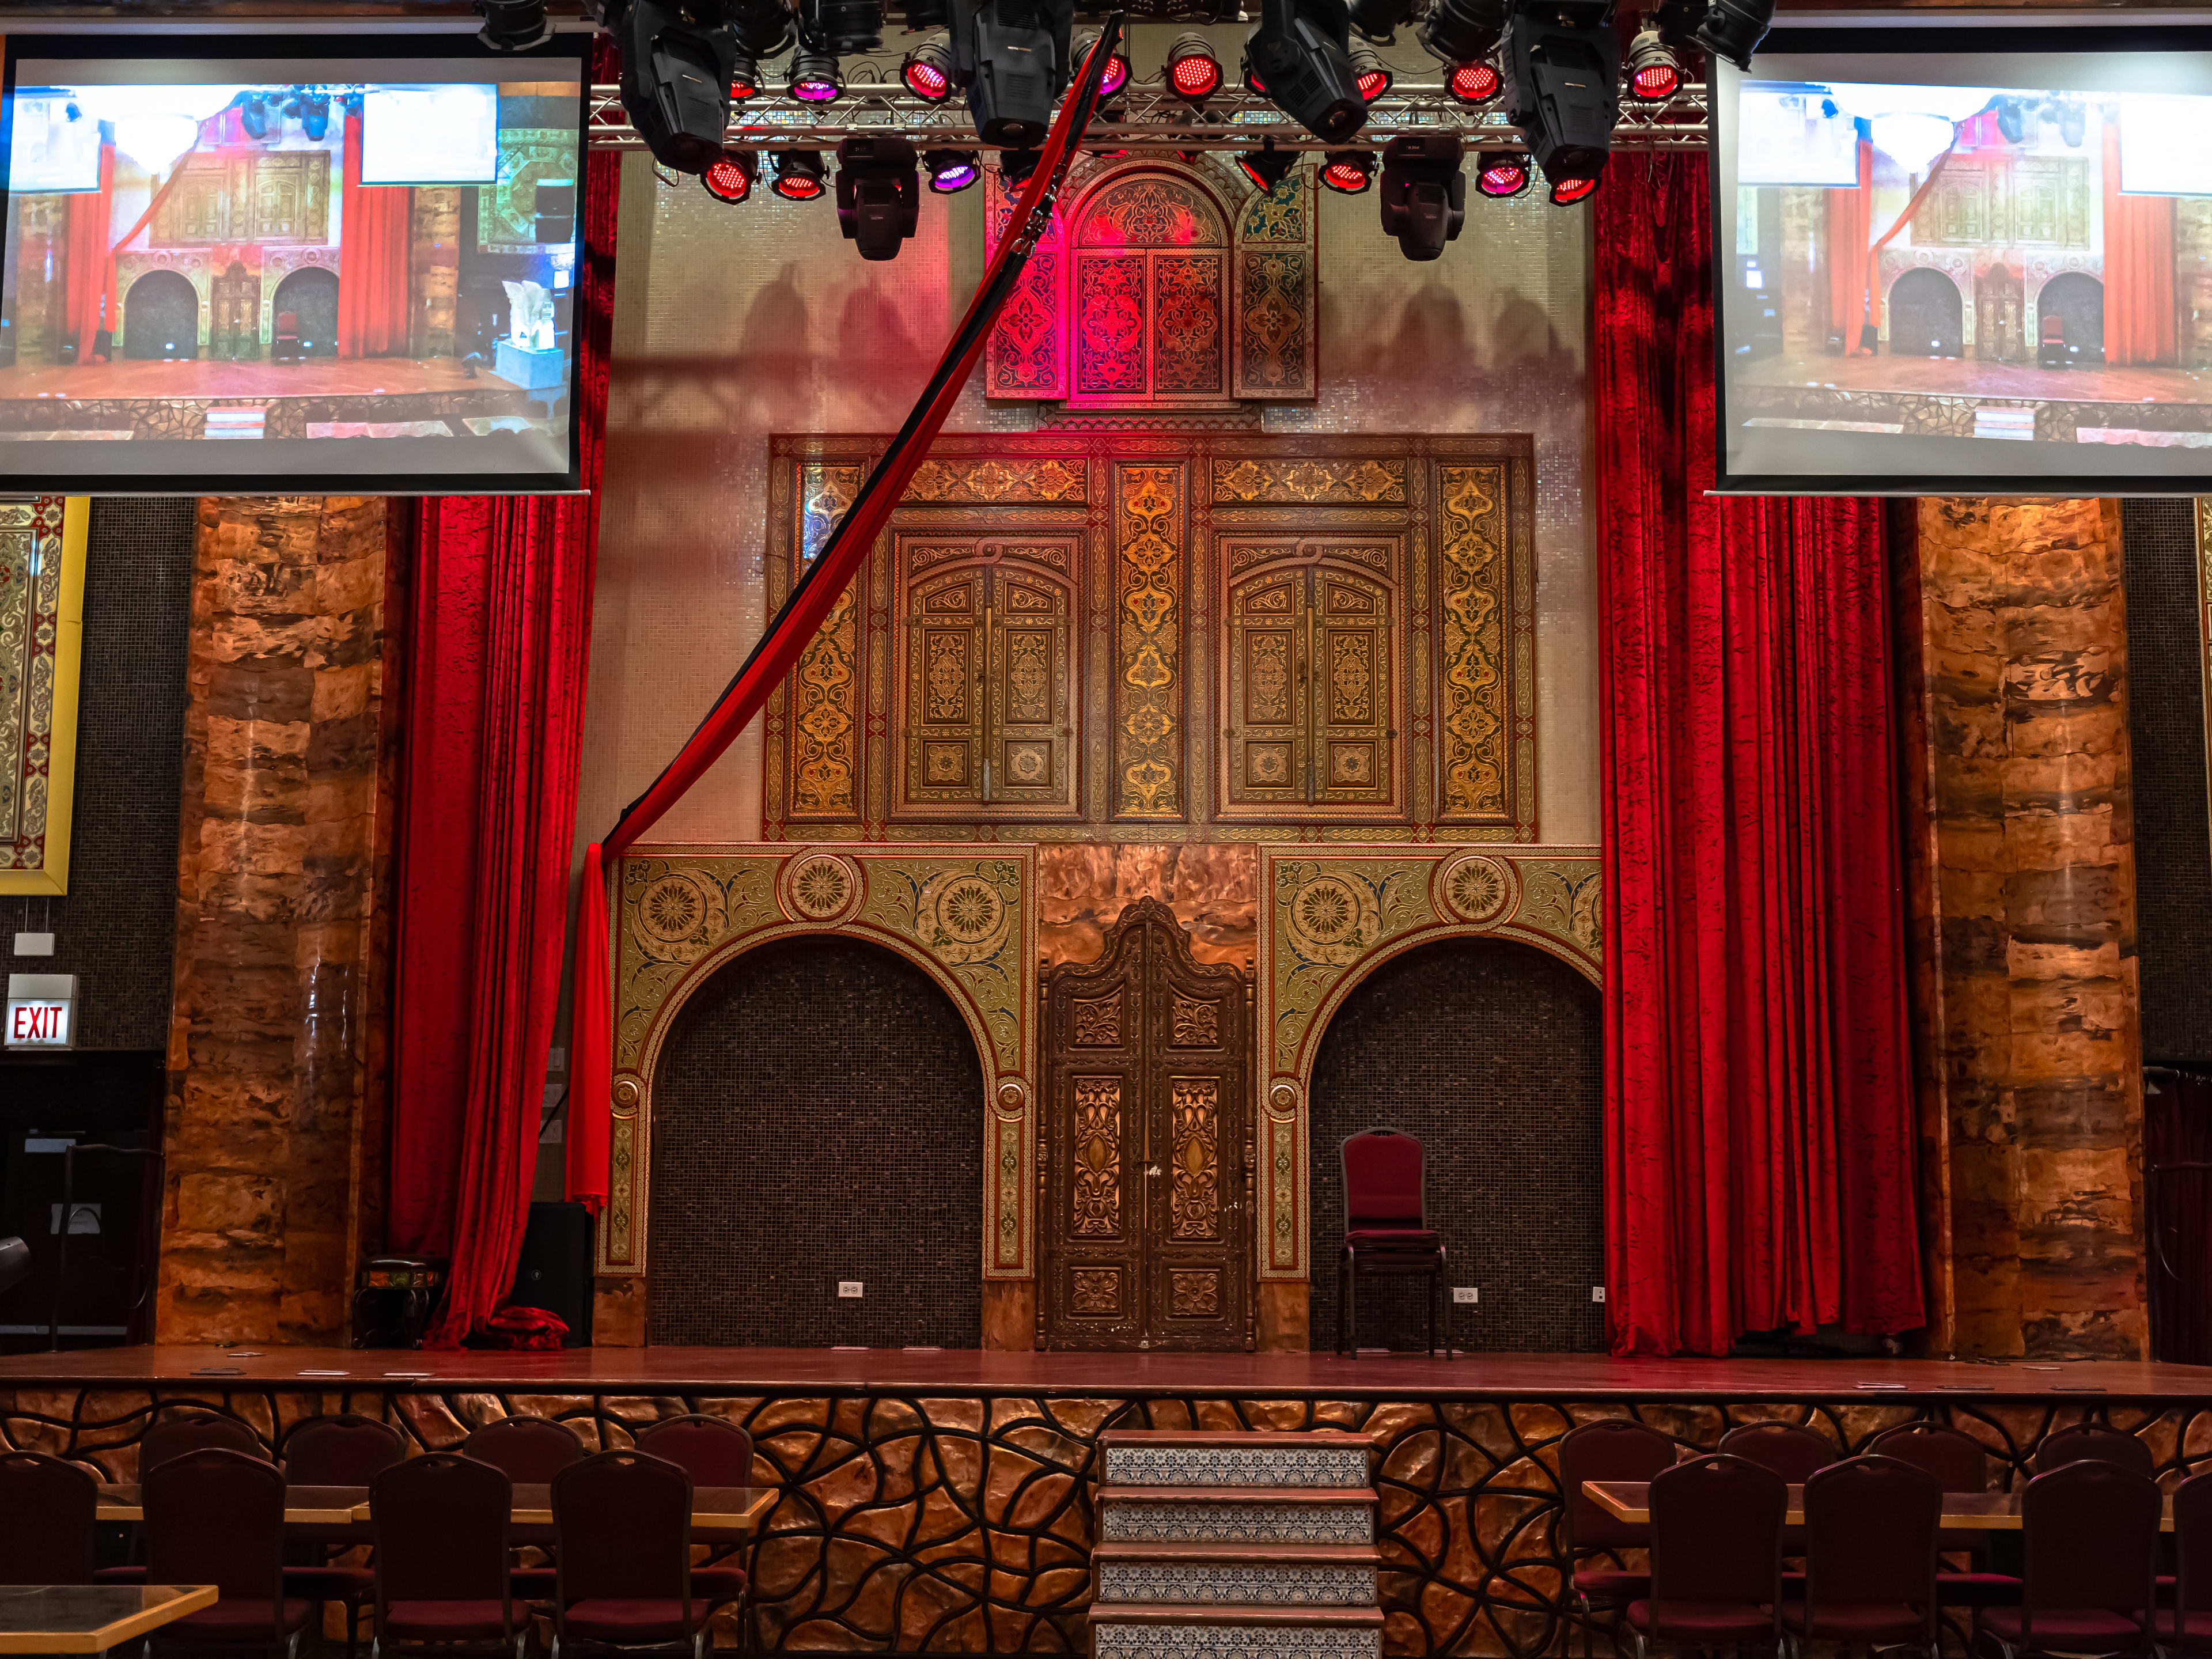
<point>2019,845</point>
<point>276,1048</point>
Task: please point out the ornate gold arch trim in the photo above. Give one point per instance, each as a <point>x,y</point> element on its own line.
<point>966,916</point>
<point>1329,917</point>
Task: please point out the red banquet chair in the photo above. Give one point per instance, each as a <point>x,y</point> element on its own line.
<point>2090,1534</point>
<point>714,1452</point>
<point>1959,1464</point>
<point>2186,1626</point>
<point>531,1451</point>
<point>1794,1453</point>
<point>1386,1230</point>
<point>623,1520</point>
<point>172,1435</point>
<point>1871,1529</point>
<point>2080,1442</point>
<point>1611,1448</point>
<point>440,1522</point>
<point>1715,1557</point>
<point>339,1450</point>
<point>217,1517</point>
<point>49,1515</point>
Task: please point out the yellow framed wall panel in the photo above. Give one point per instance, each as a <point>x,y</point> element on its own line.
<point>42,557</point>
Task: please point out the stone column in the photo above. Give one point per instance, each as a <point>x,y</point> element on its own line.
<point>274,1125</point>
<point>2019,847</point>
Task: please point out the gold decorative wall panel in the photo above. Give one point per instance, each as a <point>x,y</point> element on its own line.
<point>1161,637</point>
<point>1328,916</point>
<point>41,629</point>
<point>968,918</point>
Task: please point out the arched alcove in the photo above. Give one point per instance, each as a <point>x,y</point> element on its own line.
<point>817,1105</point>
<point>2075,300</point>
<point>161,316</point>
<point>312,296</point>
<point>1490,1052</point>
<point>1927,316</point>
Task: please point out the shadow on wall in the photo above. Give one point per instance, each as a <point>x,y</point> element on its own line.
<point>1490,1052</point>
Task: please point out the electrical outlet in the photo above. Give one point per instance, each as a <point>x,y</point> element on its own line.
<point>848,1287</point>
<point>1597,1292</point>
<point>1466,1293</point>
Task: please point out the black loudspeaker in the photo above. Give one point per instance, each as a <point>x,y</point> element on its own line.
<point>554,1272</point>
<point>556,210</point>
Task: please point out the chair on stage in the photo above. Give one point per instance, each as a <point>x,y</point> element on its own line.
<point>215,1516</point>
<point>440,1524</point>
<point>1386,1229</point>
<point>285,349</point>
<point>1715,1557</point>
<point>714,1452</point>
<point>2090,1533</point>
<point>1870,1532</point>
<point>2093,1443</point>
<point>2186,1626</point>
<point>49,1512</point>
<point>531,1451</point>
<point>1611,1448</point>
<point>624,1521</point>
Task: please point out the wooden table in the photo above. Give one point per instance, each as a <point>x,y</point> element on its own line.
<point>723,1511</point>
<point>1963,1511</point>
<point>304,1506</point>
<point>91,1618</point>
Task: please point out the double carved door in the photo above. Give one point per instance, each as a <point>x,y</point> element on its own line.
<point>1147,1163</point>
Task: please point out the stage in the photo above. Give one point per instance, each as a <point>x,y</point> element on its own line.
<point>940,1501</point>
<point>1950,396</point>
<point>166,399</point>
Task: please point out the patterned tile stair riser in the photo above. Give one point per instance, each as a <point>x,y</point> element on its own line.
<point>1234,1544</point>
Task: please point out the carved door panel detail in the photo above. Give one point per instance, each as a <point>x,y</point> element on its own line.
<point>1146,1155</point>
<point>1266,691</point>
<point>1032,762</point>
<point>1354,725</point>
<point>944,689</point>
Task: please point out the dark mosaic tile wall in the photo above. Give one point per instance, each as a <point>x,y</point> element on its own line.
<point>2172,817</point>
<point>1491,1053</point>
<point>115,927</point>
<point>817,1117</point>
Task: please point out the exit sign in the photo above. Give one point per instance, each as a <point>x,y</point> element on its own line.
<point>41,1011</point>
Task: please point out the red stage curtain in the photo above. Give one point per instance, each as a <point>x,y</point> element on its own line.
<point>88,275</point>
<point>495,696</point>
<point>1758,1109</point>
<point>1850,263</point>
<point>374,230</point>
<point>2139,308</point>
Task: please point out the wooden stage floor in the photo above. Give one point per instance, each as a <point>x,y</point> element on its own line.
<point>1965,377</point>
<point>684,1370</point>
<point>316,377</point>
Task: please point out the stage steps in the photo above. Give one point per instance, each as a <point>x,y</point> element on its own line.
<point>1234,1544</point>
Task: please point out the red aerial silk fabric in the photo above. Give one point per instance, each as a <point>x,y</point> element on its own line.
<point>502,610</point>
<point>375,225</point>
<point>1759,1130</point>
<point>2140,325</point>
<point>88,279</point>
<point>591,1020</point>
<point>1850,262</point>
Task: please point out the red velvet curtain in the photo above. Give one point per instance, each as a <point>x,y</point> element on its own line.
<point>1850,260</point>
<point>1758,1159</point>
<point>88,274</point>
<point>374,230</point>
<point>502,618</point>
<point>2140,325</point>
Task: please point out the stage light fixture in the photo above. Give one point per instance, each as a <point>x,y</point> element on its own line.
<point>1653,72</point>
<point>1299,58</point>
<point>1117,66</point>
<point>815,78</point>
<point>1193,73</point>
<point>253,117</point>
<point>1727,28</point>
<point>745,77</point>
<point>1266,165</point>
<point>878,198</point>
<point>514,25</point>
<point>1015,167</point>
<point>1348,171</point>
<point>2012,120</point>
<point>2073,124</point>
<point>1500,177</point>
<point>1369,73</point>
<point>315,119</point>
<point>799,174</point>
<point>730,176</point>
<point>1424,192</point>
<point>950,171</point>
<point>1565,192</point>
<point>1379,19</point>
<point>1013,56</point>
<point>676,65</point>
<point>1474,83</point>
<point>1563,84</point>
<point>927,70</point>
<point>1463,30</point>
<point>840,28</point>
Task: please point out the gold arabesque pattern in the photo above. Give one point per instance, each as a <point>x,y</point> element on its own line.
<point>1149,723</point>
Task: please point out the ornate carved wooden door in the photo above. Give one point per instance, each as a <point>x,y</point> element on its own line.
<point>1146,1159</point>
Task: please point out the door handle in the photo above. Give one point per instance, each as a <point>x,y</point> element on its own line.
<point>1151,1168</point>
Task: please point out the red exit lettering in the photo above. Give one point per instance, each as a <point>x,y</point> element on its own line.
<point>37,1022</point>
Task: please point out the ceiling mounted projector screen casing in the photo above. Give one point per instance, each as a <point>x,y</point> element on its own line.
<point>1965,260</point>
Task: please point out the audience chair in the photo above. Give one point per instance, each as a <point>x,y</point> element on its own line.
<point>2090,1533</point>
<point>49,1512</point>
<point>216,1517</point>
<point>714,1452</point>
<point>344,1450</point>
<point>1715,1557</point>
<point>1611,1448</point>
<point>2093,1443</point>
<point>1386,1230</point>
<point>190,1431</point>
<point>531,1451</point>
<point>1959,1464</point>
<point>624,1521</point>
<point>1794,1453</point>
<point>440,1526</point>
<point>1870,1534</point>
<point>2186,1626</point>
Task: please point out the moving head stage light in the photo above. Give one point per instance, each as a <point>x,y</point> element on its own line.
<point>678,63</point>
<point>1563,83</point>
<point>878,197</point>
<point>1012,57</point>
<point>1727,28</point>
<point>1424,192</point>
<point>514,25</point>
<point>1299,56</point>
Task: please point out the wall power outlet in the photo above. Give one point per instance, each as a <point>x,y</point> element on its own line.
<point>848,1287</point>
<point>1466,1293</point>
<point>1597,1292</point>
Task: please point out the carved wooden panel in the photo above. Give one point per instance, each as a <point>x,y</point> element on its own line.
<point>230,197</point>
<point>1147,1118</point>
<point>1275,279</point>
